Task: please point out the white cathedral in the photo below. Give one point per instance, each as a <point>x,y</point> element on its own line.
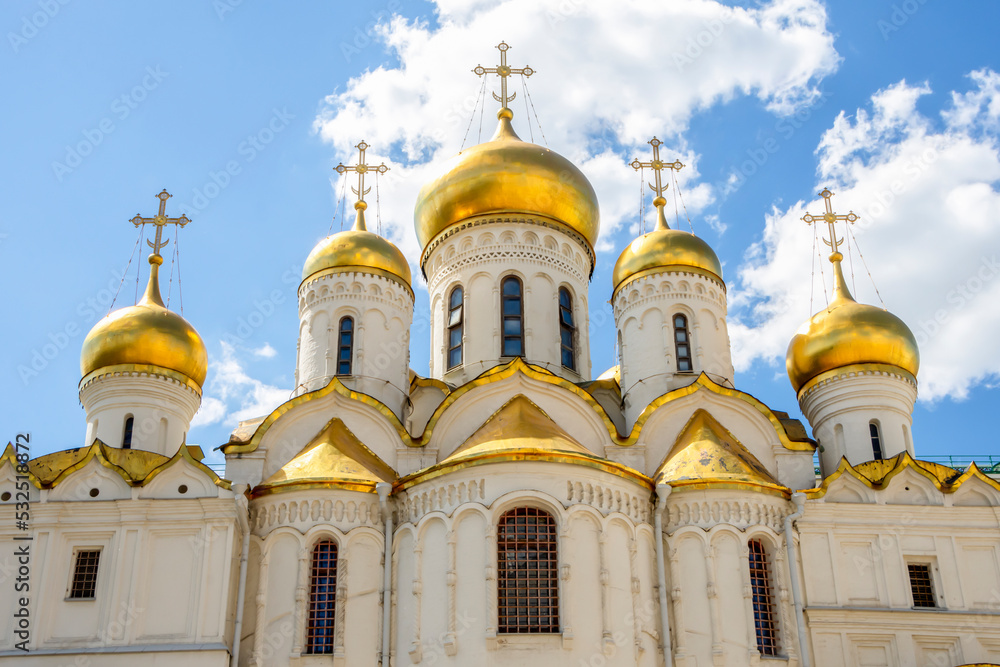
<point>511,509</point>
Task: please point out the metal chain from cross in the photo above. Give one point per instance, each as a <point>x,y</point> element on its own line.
<point>504,71</point>
<point>831,218</point>
<point>361,168</point>
<point>160,220</point>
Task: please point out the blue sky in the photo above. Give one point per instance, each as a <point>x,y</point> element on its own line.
<point>242,109</point>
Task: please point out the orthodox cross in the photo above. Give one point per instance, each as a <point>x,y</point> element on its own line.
<point>830,218</point>
<point>657,165</point>
<point>361,168</point>
<point>160,220</point>
<point>504,70</point>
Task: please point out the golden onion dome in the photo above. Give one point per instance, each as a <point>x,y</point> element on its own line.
<point>146,334</point>
<point>507,175</point>
<point>847,333</point>
<point>358,250</point>
<point>664,249</point>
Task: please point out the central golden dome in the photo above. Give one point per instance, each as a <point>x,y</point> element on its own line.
<point>146,334</point>
<point>663,249</point>
<point>848,333</point>
<point>506,175</point>
<point>359,250</point>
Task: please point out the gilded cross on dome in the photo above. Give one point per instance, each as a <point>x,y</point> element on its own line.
<point>657,165</point>
<point>831,218</point>
<point>361,168</point>
<point>160,220</point>
<point>504,70</point>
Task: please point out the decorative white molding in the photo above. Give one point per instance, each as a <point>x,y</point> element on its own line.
<point>608,500</point>
<point>270,512</point>
<point>443,497</point>
<point>763,511</point>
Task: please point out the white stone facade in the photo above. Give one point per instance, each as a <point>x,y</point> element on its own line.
<point>644,313</point>
<point>843,407</point>
<point>476,256</point>
<point>160,405</point>
<point>381,311</point>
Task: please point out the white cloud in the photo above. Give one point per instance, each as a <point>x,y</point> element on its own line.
<point>265,351</point>
<point>232,395</point>
<point>930,232</point>
<point>609,75</point>
<point>212,410</point>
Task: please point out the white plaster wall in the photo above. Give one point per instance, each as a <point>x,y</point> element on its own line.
<point>841,409</point>
<point>644,311</point>
<point>857,589</point>
<point>293,430</point>
<point>445,574</point>
<point>708,576</point>
<point>287,527</point>
<point>161,407</point>
<point>382,310</point>
<point>477,256</point>
<point>166,579</point>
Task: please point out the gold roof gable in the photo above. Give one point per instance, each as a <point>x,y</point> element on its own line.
<point>705,454</point>
<point>519,425</point>
<point>334,458</point>
<point>135,466</point>
<point>521,431</point>
<point>876,475</point>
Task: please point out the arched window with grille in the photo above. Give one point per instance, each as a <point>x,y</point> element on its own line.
<point>765,616</point>
<point>682,343</point>
<point>512,317</point>
<point>567,329</point>
<point>877,451</point>
<point>455,327</point>
<point>127,432</point>
<point>527,564</point>
<point>345,346</point>
<point>322,598</point>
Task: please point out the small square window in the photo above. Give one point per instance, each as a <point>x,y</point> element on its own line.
<point>921,585</point>
<point>84,585</point>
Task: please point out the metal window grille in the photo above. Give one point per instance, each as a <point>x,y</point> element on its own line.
<point>920,585</point>
<point>764,616</point>
<point>876,441</point>
<point>345,346</point>
<point>455,327</point>
<point>127,433</point>
<point>322,598</point>
<point>567,329</point>
<point>528,582</point>
<point>85,574</point>
<point>512,317</point>
<point>682,343</point>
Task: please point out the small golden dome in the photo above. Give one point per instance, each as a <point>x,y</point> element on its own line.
<point>147,334</point>
<point>847,333</point>
<point>613,373</point>
<point>664,249</point>
<point>358,250</point>
<point>507,175</point>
